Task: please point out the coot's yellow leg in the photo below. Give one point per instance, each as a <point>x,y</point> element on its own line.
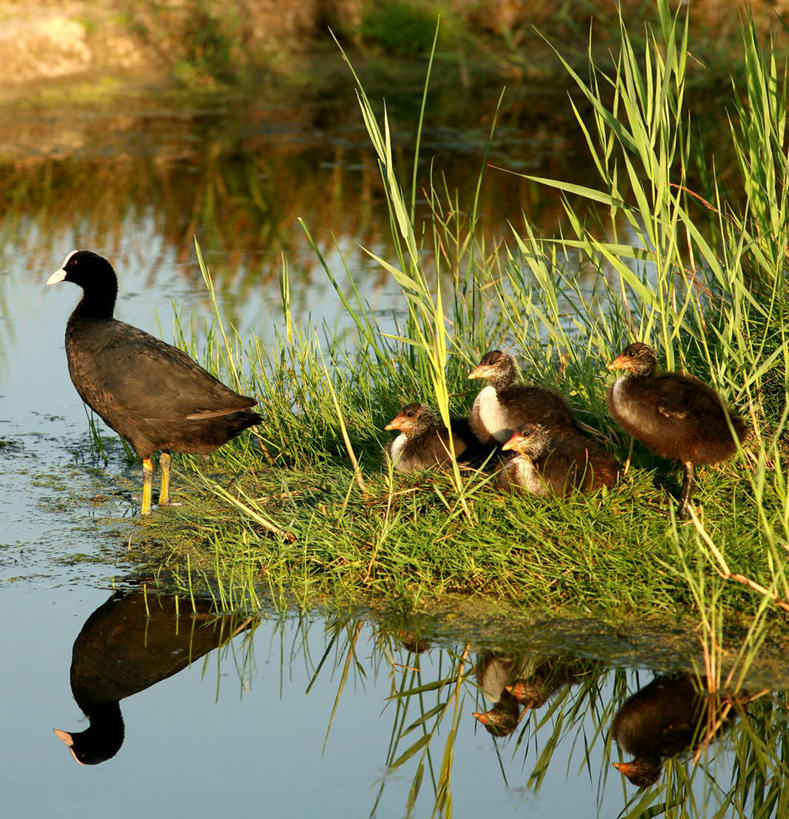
<point>147,485</point>
<point>164,467</point>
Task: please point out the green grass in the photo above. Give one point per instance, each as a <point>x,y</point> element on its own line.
<point>302,508</point>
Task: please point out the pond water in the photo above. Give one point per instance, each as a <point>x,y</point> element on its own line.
<point>300,715</point>
<point>287,713</point>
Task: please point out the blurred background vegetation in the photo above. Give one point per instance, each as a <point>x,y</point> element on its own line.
<point>207,43</point>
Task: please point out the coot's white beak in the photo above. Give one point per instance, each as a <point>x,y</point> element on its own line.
<point>60,275</point>
<point>66,737</point>
<point>57,276</point>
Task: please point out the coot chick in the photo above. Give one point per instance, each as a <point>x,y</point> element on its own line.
<point>494,671</point>
<point>546,465</point>
<point>676,416</point>
<point>149,392</point>
<point>502,719</point>
<point>548,678</point>
<point>424,440</point>
<point>504,406</point>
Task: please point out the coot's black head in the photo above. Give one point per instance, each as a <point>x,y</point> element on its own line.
<point>637,358</point>
<point>495,366</point>
<point>94,274</point>
<point>93,746</point>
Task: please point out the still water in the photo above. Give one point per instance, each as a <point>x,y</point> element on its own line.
<point>305,715</point>
<point>188,713</point>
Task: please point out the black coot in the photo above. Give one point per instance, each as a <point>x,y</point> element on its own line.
<point>131,642</point>
<point>149,392</point>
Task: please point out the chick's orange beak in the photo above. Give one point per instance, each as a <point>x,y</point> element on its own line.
<point>395,423</point>
<point>623,767</point>
<point>480,371</point>
<point>513,442</point>
<point>619,363</point>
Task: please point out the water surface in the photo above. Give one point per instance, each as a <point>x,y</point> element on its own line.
<point>289,714</point>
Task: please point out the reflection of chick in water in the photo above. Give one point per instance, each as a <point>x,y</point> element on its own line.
<point>494,673</point>
<point>528,681</point>
<point>660,721</point>
<point>548,678</point>
<point>411,641</point>
<point>125,647</point>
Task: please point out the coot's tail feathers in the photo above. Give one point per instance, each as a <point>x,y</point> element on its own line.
<point>239,421</point>
<point>204,415</point>
<point>742,429</point>
<point>213,432</point>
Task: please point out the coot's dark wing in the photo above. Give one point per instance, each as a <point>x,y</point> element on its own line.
<point>154,380</point>
<point>536,405</point>
<point>468,448</point>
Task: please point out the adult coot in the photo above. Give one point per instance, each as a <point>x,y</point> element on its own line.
<point>149,392</point>
<point>674,415</point>
<point>131,642</point>
<point>504,406</point>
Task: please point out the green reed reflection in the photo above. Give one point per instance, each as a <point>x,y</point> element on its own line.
<point>694,753</point>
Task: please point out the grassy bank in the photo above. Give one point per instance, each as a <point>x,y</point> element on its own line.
<point>304,507</point>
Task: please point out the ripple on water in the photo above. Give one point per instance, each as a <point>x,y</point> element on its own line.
<point>58,516</point>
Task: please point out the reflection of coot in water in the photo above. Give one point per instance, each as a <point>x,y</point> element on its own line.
<point>150,393</point>
<point>502,719</point>
<point>494,673</point>
<point>547,678</point>
<point>661,720</point>
<point>127,645</point>
<point>523,680</point>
